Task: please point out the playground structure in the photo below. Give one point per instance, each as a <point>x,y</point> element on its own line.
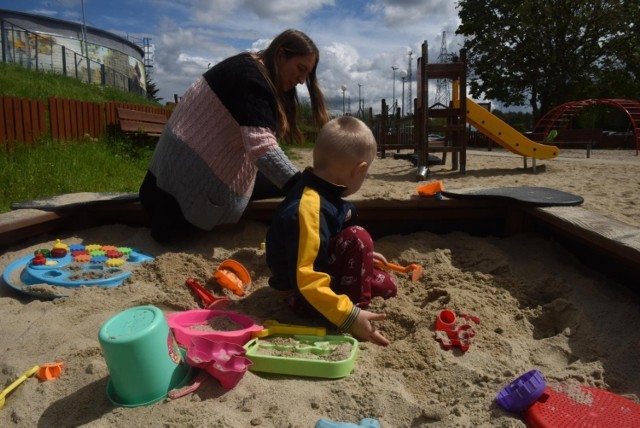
<point>394,132</point>
<point>562,116</point>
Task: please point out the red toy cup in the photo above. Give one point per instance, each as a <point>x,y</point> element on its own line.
<point>446,320</point>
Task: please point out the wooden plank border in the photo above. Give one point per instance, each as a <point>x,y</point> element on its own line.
<point>612,244</point>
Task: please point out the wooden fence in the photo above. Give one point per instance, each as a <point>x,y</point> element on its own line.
<point>25,121</point>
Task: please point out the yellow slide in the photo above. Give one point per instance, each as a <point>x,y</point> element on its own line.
<point>500,132</point>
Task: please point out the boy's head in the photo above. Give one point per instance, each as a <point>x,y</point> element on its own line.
<point>344,150</point>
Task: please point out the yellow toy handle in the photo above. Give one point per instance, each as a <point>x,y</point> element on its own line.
<point>274,327</point>
<point>17,383</point>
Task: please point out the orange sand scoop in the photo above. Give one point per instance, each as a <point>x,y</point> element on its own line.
<point>49,371</point>
<point>233,276</point>
<point>415,269</point>
<point>431,189</point>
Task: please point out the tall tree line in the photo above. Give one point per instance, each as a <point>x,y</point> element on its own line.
<point>547,52</point>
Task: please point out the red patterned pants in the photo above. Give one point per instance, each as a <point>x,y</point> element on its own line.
<point>351,266</point>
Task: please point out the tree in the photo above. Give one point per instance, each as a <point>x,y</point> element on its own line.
<point>545,53</point>
<point>152,89</point>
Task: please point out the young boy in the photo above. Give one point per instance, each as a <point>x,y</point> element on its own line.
<point>312,245</point>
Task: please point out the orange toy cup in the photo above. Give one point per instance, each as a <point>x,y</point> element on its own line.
<point>431,189</point>
<point>49,371</point>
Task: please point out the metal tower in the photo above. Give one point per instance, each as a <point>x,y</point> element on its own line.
<point>443,86</point>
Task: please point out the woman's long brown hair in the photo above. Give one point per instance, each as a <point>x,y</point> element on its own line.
<point>294,43</point>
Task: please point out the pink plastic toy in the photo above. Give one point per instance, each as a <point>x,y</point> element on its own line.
<point>222,360</point>
<point>202,323</point>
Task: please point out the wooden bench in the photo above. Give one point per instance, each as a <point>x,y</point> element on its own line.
<point>578,137</point>
<point>139,123</point>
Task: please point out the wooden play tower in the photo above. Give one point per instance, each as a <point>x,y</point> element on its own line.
<point>454,123</point>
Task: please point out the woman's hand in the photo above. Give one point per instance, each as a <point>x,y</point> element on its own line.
<point>363,329</point>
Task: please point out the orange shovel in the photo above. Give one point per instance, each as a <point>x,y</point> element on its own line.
<point>415,269</point>
<point>233,276</point>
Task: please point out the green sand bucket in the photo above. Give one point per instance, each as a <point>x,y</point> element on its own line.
<point>142,356</point>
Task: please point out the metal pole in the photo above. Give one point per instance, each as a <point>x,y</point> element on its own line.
<point>4,53</point>
<point>84,32</point>
<point>393,101</point>
<point>402,106</point>
<point>360,104</point>
<point>64,61</point>
<point>410,99</point>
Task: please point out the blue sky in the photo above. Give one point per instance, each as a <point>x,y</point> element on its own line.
<point>359,40</point>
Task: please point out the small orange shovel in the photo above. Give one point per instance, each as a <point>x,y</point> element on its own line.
<point>233,276</point>
<point>415,269</point>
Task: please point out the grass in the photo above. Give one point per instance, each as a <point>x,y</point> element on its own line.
<point>51,168</point>
<point>17,81</point>
<point>111,163</point>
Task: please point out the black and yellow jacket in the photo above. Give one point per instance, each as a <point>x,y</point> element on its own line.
<point>297,245</point>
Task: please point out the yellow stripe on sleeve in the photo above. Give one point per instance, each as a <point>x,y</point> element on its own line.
<point>316,286</point>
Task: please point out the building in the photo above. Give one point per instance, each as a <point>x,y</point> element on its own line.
<point>50,44</point>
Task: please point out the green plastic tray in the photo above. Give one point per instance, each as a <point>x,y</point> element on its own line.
<point>320,346</point>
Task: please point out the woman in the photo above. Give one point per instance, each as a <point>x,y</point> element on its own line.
<point>220,149</point>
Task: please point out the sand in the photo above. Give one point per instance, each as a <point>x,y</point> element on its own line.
<point>538,307</point>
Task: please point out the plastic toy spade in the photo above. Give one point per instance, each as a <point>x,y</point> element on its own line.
<point>17,383</point>
<point>44,372</point>
<point>208,299</point>
<point>415,269</point>
<point>274,327</point>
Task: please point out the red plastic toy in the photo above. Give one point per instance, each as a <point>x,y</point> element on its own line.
<point>452,332</point>
<point>208,299</point>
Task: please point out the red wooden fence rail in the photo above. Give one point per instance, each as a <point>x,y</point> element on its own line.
<point>21,121</point>
<point>24,121</point>
<point>74,120</point>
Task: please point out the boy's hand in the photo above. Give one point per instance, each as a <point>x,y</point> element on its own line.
<point>377,257</point>
<point>363,330</point>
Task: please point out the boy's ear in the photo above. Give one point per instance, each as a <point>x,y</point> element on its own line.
<point>361,167</point>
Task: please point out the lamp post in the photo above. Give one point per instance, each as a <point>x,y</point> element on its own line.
<point>84,33</point>
<point>410,52</point>
<point>360,103</point>
<point>403,75</point>
<point>344,88</point>
<point>393,101</point>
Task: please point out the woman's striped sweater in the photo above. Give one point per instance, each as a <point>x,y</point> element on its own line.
<point>221,133</point>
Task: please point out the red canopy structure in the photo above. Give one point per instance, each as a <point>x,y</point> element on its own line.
<point>561,116</point>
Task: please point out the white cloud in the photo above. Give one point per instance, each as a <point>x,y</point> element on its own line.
<point>290,11</point>
<point>406,12</point>
<point>282,11</point>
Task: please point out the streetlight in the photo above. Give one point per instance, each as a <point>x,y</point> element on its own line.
<point>360,102</point>
<point>344,88</point>
<point>403,75</point>
<point>410,52</point>
<point>84,33</point>
<point>393,101</point>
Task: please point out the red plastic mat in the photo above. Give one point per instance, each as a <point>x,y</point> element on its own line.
<point>581,406</point>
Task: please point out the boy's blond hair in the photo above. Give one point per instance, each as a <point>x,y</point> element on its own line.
<point>341,140</point>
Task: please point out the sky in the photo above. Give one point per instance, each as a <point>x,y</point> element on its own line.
<point>360,41</point>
